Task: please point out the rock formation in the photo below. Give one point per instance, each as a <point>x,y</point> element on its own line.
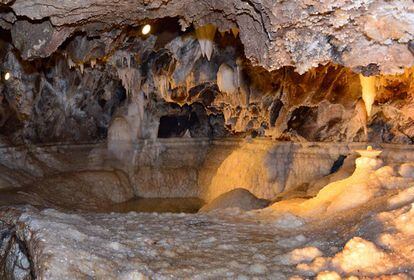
<point>275,34</point>
<point>143,82</point>
<point>238,198</point>
<point>109,107</point>
<point>100,52</point>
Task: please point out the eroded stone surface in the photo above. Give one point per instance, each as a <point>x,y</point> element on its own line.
<point>275,34</point>
<point>174,168</point>
<point>161,86</point>
<point>353,242</point>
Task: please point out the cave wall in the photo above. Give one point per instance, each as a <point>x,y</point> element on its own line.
<point>163,85</point>
<point>58,100</point>
<point>173,168</point>
<point>286,70</point>
<point>47,102</point>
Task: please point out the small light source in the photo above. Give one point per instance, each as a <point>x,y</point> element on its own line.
<point>146,29</point>
<point>7,76</point>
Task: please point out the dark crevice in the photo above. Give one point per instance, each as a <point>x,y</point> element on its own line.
<point>337,164</point>
<point>173,126</point>
<point>9,239</point>
<point>274,111</point>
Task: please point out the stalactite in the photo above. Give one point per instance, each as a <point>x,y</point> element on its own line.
<point>235,31</point>
<point>238,73</point>
<point>312,73</point>
<point>205,36</point>
<point>163,85</point>
<point>71,64</point>
<point>361,116</point>
<point>128,59</point>
<point>121,59</point>
<point>368,91</point>
<point>130,78</point>
<point>183,24</point>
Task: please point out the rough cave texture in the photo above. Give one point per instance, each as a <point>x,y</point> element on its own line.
<point>77,65</point>
<point>162,85</point>
<point>255,114</point>
<point>368,240</point>
<point>274,33</point>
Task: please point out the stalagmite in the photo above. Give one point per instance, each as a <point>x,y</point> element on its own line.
<point>225,79</point>
<point>205,36</point>
<point>120,138</point>
<point>368,91</point>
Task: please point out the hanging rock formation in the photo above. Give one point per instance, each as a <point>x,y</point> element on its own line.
<point>246,89</point>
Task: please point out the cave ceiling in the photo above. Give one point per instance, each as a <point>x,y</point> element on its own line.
<point>369,36</point>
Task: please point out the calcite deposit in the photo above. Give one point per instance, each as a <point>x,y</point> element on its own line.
<point>134,94</point>
<point>275,34</point>
<point>362,239</point>
<point>178,139</point>
<point>216,63</point>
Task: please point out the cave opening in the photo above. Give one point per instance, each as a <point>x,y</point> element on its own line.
<point>173,126</point>
<point>147,139</point>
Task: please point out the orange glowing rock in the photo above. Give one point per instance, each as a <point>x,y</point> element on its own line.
<point>369,152</point>
<point>368,91</point>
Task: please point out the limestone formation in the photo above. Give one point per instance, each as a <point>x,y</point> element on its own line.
<point>226,96</point>
<point>249,120</point>
<point>238,198</point>
<point>275,34</point>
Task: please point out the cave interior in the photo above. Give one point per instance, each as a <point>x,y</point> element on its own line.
<point>143,139</point>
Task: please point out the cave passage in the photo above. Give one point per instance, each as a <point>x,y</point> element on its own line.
<point>142,140</point>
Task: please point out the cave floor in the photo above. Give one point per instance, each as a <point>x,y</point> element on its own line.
<point>227,244</point>
<point>162,246</point>
<point>361,226</point>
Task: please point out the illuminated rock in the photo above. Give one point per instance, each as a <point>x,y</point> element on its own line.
<point>368,91</point>
<point>226,79</point>
<point>205,36</point>
<point>237,198</point>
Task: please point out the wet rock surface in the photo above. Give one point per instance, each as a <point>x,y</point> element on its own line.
<point>171,246</point>
<point>355,226</point>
